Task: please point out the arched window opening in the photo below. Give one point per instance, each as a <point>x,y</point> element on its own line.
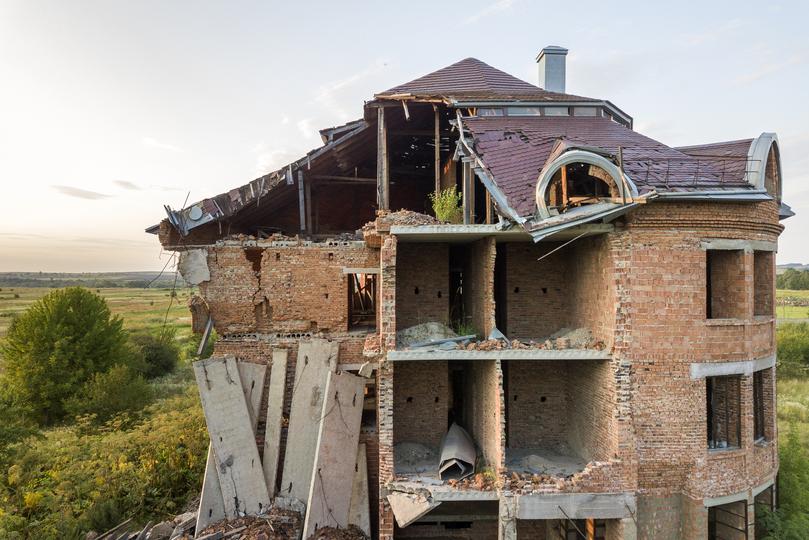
<point>577,184</point>
<point>772,176</point>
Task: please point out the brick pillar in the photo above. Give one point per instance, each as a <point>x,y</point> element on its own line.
<point>384,381</point>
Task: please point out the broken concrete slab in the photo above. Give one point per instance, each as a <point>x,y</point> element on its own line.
<point>275,417</point>
<point>576,506</point>
<point>193,266</point>
<point>316,359</point>
<point>359,512</point>
<point>211,504</point>
<point>228,418</point>
<point>408,507</point>
<point>335,461</point>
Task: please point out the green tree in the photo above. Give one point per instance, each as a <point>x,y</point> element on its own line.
<point>793,343</point>
<point>159,352</point>
<point>55,346</point>
<point>107,394</point>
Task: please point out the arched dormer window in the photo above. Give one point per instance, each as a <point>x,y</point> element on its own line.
<point>578,178</point>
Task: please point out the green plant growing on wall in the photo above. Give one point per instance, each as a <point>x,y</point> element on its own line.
<point>447,205</point>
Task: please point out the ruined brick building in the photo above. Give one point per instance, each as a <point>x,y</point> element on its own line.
<point>613,299</point>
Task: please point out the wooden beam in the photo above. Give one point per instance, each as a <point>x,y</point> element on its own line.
<point>488,207</point>
<point>309,207</point>
<point>301,202</point>
<point>465,183</point>
<point>437,151</point>
<point>564,185</point>
<point>353,179</point>
<point>382,165</point>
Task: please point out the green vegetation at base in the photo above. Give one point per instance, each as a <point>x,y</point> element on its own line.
<point>77,478</point>
<point>447,205</point>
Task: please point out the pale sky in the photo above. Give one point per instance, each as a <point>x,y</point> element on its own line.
<point>110,109</point>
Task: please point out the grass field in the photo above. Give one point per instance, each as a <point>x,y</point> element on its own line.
<point>791,312</point>
<point>141,309</point>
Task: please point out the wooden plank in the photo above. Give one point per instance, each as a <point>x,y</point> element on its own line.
<point>359,513</point>
<point>301,202</point>
<point>329,498</point>
<point>275,417</point>
<point>466,195</point>
<point>315,360</point>
<point>211,505</point>
<point>564,185</point>
<point>228,418</point>
<point>308,197</point>
<point>382,168</point>
<point>437,151</point>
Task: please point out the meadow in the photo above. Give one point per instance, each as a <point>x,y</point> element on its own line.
<point>784,299</point>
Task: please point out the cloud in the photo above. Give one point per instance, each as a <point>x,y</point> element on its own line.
<point>328,94</point>
<point>713,34</point>
<point>127,185</point>
<point>306,129</point>
<point>271,159</point>
<point>491,9</point>
<point>769,69</point>
<point>154,143</point>
<point>79,193</point>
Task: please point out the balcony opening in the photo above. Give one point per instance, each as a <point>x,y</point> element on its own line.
<point>763,283</point>
<point>725,284</point>
<point>428,398</point>
<point>362,301</point>
<point>762,405</point>
<point>558,300</point>
<point>557,416</point>
<point>724,417</point>
<point>728,521</point>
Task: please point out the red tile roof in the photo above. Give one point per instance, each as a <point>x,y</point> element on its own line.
<point>515,150</point>
<point>473,80</point>
<point>719,149</point>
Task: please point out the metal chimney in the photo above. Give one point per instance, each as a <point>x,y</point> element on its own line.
<point>551,62</point>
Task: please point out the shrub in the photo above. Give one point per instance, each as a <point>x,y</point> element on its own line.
<point>793,343</point>
<point>447,205</point>
<point>56,345</point>
<point>118,390</point>
<point>159,353</point>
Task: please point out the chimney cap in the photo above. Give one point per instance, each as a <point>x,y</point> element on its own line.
<point>551,49</point>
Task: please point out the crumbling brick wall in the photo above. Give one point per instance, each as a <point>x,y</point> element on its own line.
<point>420,402</point>
<point>282,286</point>
<point>422,284</point>
<point>592,287</point>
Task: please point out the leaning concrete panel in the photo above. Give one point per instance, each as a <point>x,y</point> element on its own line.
<point>359,513</point>
<point>211,504</point>
<point>333,473</point>
<point>275,417</point>
<point>316,359</point>
<point>576,506</point>
<point>227,415</point>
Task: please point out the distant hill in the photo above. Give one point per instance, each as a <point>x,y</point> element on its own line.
<point>795,266</point>
<point>94,280</point>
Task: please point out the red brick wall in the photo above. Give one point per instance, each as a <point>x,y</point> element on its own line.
<point>420,402</point>
<point>531,421</point>
<point>479,285</point>
<point>482,403</point>
<point>423,268</point>
<point>591,389</point>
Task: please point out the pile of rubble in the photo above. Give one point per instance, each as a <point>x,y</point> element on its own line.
<point>437,336</point>
<point>405,217</point>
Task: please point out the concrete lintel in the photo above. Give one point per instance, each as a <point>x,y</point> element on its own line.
<point>761,487</point>
<point>502,354</point>
<point>347,270</point>
<point>747,246</point>
<point>746,495</point>
<point>700,370</point>
<point>576,506</point>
